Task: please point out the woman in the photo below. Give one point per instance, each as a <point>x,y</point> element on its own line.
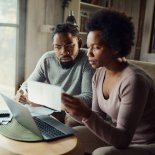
<point>121,91</point>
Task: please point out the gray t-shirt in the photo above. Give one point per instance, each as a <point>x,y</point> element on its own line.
<point>75,80</point>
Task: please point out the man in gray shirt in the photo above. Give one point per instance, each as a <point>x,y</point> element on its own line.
<point>66,66</point>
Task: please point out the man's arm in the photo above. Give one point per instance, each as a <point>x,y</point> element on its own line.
<point>36,75</point>
<point>86,85</point>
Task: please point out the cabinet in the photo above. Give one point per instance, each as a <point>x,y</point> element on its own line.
<point>82,10</point>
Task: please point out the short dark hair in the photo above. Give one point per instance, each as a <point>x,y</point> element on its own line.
<point>66,28</point>
<point>116,29</point>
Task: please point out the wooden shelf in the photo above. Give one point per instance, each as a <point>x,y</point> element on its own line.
<point>90,7</point>
<point>86,9</point>
<point>83,33</point>
<point>82,11</point>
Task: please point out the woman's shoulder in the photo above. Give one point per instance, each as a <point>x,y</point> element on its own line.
<point>135,70</point>
<point>135,73</point>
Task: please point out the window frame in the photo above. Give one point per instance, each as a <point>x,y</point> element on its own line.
<point>21,41</point>
<point>146,54</point>
<point>152,41</point>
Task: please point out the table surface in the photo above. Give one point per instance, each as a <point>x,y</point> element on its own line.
<point>56,147</point>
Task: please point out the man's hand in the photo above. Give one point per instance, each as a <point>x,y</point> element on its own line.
<point>21,96</point>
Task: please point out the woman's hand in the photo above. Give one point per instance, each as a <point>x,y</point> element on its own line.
<point>75,106</point>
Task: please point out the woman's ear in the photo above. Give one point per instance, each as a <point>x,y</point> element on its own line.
<point>79,42</point>
<point>116,52</point>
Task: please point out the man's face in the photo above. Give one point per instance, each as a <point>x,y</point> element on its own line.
<point>66,48</point>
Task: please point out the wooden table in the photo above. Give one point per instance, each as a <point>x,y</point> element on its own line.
<point>56,147</point>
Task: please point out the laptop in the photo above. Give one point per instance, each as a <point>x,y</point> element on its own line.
<point>47,128</point>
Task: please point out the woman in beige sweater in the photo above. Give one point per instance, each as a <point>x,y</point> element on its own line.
<point>122,117</point>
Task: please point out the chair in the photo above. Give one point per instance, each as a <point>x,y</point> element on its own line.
<point>149,67</point>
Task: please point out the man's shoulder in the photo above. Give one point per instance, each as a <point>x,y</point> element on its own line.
<point>82,60</point>
<point>49,54</point>
<point>83,53</point>
<point>84,49</point>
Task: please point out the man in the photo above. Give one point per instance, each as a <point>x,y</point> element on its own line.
<point>66,66</point>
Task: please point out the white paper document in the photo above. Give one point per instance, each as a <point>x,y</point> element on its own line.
<point>45,94</point>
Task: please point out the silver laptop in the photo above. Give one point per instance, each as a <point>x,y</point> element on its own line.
<point>45,127</point>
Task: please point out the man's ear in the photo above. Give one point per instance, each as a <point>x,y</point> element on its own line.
<point>52,46</point>
<point>79,42</point>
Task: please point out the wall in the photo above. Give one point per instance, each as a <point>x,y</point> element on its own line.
<point>39,12</point>
<point>146,52</point>
<point>131,8</point>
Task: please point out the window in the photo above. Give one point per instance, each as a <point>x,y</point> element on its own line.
<point>147,46</point>
<point>12,38</point>
<point>152,44</point>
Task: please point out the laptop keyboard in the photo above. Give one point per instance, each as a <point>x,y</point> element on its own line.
<point>47,129</point>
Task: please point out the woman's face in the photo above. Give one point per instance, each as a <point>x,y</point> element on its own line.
<point>99,54</point>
